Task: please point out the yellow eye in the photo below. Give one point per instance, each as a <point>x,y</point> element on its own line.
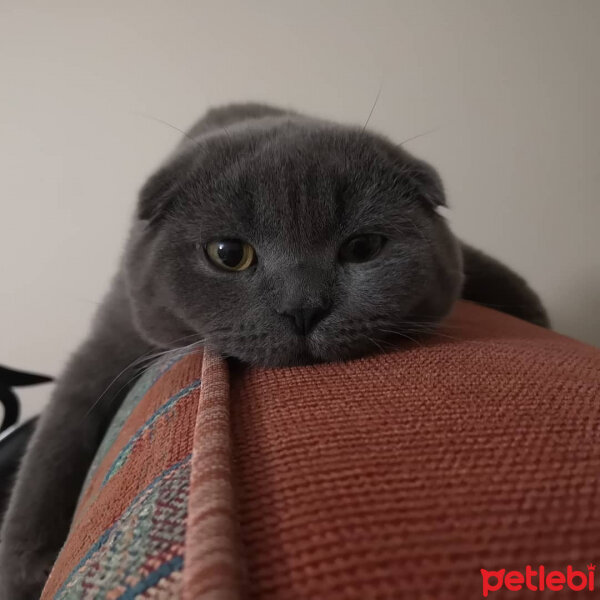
<point>231,255</point>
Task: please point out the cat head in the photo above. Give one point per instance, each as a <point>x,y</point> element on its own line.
<point>287,240</point>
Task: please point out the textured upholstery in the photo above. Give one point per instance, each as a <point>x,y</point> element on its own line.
<point>396,476</point>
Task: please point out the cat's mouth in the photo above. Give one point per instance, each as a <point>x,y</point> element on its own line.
<point>280,347</point>
<point>309,349</point>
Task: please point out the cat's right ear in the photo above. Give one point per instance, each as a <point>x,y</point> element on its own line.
<point>157,195</point>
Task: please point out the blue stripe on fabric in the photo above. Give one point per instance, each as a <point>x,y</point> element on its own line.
<point>165,408</point>
<point>175,564</point>
<point>144,383</point>
<point>104,537</point>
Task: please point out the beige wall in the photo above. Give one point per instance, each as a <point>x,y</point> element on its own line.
<point>510,88</point>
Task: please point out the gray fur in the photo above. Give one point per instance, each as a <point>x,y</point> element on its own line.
<point>295,188</point>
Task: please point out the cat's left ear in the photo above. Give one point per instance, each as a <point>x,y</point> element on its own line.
<point>427,183</point>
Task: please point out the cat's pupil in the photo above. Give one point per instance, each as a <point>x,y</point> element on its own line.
<point>361,248</point>
<point>230,252</point>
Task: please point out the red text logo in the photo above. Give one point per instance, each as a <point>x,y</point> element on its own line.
<point>538,579</point>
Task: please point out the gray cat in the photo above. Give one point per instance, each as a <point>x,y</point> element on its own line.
<point>270,237</point>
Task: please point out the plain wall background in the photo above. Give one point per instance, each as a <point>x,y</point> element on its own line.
<point>511,90</point>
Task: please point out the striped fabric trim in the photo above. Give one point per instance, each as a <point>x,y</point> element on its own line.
<point>134,507</point>
<point>173,456</point>
<point>150,376</point>
<point>175,564</point>
<point>149,531</point>
<point>157,393</point>
<point>163,410</point>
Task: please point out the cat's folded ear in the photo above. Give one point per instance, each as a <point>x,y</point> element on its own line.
<point>162,189</point>
<point>156,195</point>
<point>427,183</point>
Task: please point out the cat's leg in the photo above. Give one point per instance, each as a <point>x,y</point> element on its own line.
<point>61,450</point>
<point>490,283</point>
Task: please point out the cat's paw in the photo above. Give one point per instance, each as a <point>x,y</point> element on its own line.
<point>23,573</point>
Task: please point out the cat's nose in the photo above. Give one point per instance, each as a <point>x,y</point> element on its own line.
<point>305,318</point>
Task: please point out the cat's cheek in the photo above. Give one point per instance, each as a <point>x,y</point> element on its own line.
<point>160,327</point>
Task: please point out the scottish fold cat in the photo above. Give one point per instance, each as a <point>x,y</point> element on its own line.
<point>270,237</point>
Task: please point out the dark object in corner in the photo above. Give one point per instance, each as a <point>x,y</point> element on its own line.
<point>14,438</point>
<point>9,379</point>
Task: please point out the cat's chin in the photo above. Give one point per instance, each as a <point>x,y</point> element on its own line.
<point>294,353</point>
<point>343,352</point>
<point>310,352</point>
<point>295,350</point>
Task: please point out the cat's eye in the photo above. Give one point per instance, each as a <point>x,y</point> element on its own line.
<point>361,248</point>
<point>231,255</point>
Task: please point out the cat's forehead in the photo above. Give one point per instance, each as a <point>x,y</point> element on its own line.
<point>309,183</point>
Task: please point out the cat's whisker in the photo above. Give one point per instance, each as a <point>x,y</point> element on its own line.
<point>429,332</point>
<point>374,341</point>
<point>443,335</point>
<point>373,107</point>
<point>157,120</point>
<point>135,376</point>
<point>141,359</point>
<point>402,334</point>
<point>420,135</point>
<point>435,321</point>
<point>433,333</point>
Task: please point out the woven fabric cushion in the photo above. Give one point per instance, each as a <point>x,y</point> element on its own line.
<point>397,476</point>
